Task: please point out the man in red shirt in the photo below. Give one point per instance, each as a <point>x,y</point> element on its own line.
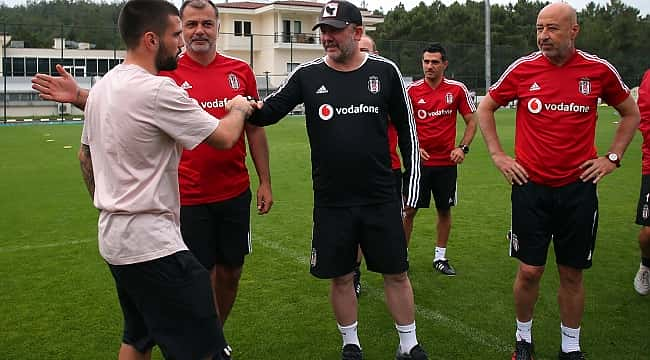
<point>214,184</point>
<point>436,100</point>
<point>642,279</point>
<point>556,166</point>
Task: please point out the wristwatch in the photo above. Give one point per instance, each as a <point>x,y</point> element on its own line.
<point>614,158</point>
<point>464,147</point>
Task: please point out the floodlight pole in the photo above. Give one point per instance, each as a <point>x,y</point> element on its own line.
<point>63,63</point>
<point>488,56</point>
<point>4,68</point>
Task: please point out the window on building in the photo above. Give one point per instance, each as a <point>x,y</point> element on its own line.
<point>292,66</point>
<point>297,26</point>
<point>30,66</point>
<point>102,66</point>
<point>53,62</point>
<point>286,31</point>
<point>247,28</point>
<point>113,63</point>
<point>243,28</point>
<point>91,67</point>
<point>44,65</point>
<point>6,66</point>
<point>18,66</point>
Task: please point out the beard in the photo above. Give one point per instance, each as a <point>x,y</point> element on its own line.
<point>201,48</point>
<point>165,62</point>
<point>346,51</point>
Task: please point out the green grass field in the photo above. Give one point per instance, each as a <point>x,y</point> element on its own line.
<point>57,297</point>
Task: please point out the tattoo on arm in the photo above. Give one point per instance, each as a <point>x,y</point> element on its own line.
<point>86,163</point>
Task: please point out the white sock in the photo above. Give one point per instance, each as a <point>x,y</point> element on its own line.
<point>570,339</point>
<point>407,337</point>
<point>349,334</point>
<point>524,331</point>
<point>439,254</point>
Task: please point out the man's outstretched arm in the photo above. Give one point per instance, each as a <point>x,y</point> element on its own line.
<point>60,88</point>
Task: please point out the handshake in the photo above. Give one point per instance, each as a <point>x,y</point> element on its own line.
<point>246,105</point>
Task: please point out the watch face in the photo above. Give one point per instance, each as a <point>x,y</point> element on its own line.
<point>612,157</point>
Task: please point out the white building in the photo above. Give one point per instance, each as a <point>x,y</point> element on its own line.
<point>273,37</point>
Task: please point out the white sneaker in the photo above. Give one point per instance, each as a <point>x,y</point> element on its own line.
<point>642,281</point>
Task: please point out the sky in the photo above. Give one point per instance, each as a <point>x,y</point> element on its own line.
<point>642,5</point>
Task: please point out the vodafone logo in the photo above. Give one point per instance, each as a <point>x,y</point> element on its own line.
<point>423,114</point>
<point>326,111</point>
<point>535,105</point>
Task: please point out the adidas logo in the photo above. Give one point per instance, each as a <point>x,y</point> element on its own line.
<point>534,87</point>
<point>421,101</point>
<point>322,90</point>
<point>186,85</point>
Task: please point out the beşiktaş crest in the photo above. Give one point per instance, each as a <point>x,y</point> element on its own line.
<point>373,84</point>
<point>449,97</point>
<point>584,86</point>
<point>233,81</point>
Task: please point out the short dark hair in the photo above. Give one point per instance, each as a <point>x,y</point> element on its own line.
<point>140,16</point>
<point>436,48</point>
<point>198,4</point>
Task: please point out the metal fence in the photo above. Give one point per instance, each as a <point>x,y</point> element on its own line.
<point>88,61</point>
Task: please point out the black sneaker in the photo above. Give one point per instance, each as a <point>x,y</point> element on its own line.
<point>417,353</point>
<point>444,267</point>
<point>573,355</point>
<point>357,281</point>
<point>351,352</point>
<point>523,351</point>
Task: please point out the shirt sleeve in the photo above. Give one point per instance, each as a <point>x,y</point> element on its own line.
<point>644,103</point>
<point>505,89</point>
<point>251,88</point>
<point>614,89</point>
<point>401,114</point>
<point>467,105</point>
<point>279,103</point>
<point>181,117</point>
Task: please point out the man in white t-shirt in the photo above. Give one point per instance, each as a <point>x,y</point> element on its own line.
<point>136,126</point>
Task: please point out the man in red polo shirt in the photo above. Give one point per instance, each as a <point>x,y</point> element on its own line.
<point>642,278</point>
<point>556,165</point>
<point>436,100</point>
<point>214,184</point>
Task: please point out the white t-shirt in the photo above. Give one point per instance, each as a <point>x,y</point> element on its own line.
<point>136,124</point>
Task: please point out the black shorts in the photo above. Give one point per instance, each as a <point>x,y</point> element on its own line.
<point>168,302</point>
<point>568,215</point>
<point>338,232</point>
<point>397,174</point>
<point>439,181</point>
<point>643,209</point>
<point>218,233</point>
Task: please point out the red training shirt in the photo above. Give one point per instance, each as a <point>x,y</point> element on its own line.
<point>205,174</point>
<point>557,112</point>
<point>644,126</point>
<point>395,163</point>
<point>435,117</point>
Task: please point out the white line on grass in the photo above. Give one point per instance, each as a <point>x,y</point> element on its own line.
<point>10,249</point>
<point>468,332</point>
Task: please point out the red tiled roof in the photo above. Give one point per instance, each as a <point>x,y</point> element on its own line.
<point>256,5</point>
<point>242,5</point>
<point>299,3</point>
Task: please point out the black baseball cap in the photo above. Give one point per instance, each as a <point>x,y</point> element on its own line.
<point>339,14</point>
